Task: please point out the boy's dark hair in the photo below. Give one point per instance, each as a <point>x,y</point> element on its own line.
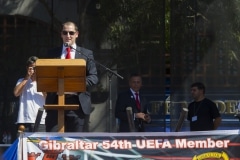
<point>31,60</point>
<point>199,85</point>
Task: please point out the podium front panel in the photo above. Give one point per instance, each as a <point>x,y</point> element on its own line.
<point>50,71</point>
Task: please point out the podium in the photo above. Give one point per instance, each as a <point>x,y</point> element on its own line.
<point>61,75</point>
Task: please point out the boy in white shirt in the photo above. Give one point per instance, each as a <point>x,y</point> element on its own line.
<point>29,99</point>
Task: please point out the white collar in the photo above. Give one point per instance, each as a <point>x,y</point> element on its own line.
<point>74,46</point>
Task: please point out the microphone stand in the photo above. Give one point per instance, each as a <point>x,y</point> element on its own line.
<point>110,74</point>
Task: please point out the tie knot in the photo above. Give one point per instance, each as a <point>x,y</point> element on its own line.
<point>68,49</point>
<point>136,93</point>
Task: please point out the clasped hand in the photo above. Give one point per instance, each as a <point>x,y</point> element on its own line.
<point>143,116</point>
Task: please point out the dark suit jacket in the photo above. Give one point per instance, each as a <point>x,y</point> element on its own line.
<point>124,100</point>
<point>91,76</point>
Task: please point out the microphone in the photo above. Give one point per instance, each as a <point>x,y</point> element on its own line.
<point>67,45</point>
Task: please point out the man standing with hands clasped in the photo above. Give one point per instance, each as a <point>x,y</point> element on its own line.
<point>75,120</point>
<point>132,98</point>
<point>203,114</point>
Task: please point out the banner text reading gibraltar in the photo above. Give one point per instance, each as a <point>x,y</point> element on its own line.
<point>126,144</point>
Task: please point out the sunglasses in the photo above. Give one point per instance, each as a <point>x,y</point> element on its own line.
<point>66,32</point>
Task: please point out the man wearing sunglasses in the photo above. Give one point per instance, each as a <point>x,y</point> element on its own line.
<point>75,120</point>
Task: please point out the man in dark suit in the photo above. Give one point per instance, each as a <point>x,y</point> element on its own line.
<point>75,120</point>
<point>138,104</point>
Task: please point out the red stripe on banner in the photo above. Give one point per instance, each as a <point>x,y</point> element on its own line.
<point>234,144</point>
<point>168,158</point>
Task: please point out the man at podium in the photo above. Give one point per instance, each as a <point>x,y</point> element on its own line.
<point>75,120</point>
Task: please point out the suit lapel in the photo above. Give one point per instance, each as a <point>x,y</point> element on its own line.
<point>132,99</point>
<point>58,52</point>
<point>141,102</point>
<point>77,54</point>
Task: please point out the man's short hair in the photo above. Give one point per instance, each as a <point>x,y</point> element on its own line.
<point>199,85</point>
<point>70,23</point>
<point>134,75</point>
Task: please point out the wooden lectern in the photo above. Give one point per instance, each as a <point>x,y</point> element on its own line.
<point>61,75</point>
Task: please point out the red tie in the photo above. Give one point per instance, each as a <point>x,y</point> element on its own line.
<point>68,56</point>
<point>138,102</point>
